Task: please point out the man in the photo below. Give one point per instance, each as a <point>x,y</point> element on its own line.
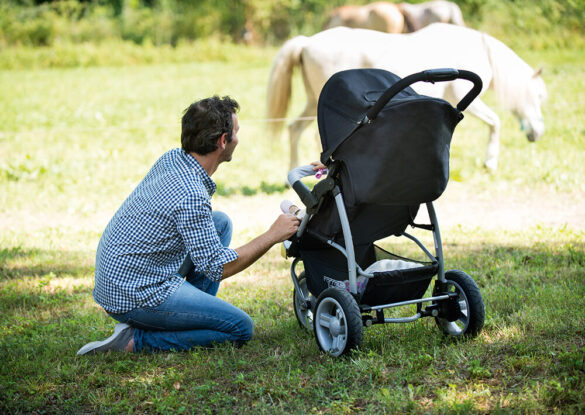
<point>168,221</point>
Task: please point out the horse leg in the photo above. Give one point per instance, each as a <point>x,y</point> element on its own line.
<point>297,128</point>
<point>480,110</point>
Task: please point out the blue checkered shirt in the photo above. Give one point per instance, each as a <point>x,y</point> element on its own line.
<point>167,216</point>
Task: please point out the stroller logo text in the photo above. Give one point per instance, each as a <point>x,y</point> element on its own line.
<point>333,282</point>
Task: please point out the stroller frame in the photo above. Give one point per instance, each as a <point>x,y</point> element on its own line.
<point>458,313</point>
<point>354,269</point>
<point>337,316</point>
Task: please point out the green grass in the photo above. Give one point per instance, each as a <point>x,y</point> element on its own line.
<point>116,52</point>
<point>529,358</point>
<point>73,144</point>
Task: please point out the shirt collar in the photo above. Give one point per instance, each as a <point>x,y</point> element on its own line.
<point>209,184</point>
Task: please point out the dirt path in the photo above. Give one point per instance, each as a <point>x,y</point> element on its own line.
<point>510,208</point>
<point>505,207</point>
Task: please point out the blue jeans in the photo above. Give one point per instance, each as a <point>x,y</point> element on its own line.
<point>192,316</point>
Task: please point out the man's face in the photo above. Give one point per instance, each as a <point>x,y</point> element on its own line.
<point>230,147</point>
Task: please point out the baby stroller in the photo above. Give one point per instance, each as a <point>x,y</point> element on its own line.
<point>387,152</point>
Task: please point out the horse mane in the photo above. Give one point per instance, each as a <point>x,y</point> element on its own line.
<point>510,74</point>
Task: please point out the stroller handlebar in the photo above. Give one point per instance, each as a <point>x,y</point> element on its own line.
<point>474,92</point>
<point>298,173</point>
<point>294,179</point>
<point>430,75</point>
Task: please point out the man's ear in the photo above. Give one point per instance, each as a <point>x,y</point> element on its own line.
<point>222,141</point>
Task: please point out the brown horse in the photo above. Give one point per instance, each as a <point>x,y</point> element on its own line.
<point>417,16</point>
<point>381,16</point>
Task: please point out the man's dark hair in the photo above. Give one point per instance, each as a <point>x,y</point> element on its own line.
<point>205,121</point>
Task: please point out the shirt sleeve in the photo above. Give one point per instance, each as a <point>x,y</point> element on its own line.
<point>195,225</point>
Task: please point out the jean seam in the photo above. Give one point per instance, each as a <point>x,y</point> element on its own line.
<point>232,328</point>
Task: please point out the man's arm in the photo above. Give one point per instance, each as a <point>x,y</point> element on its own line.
<point>284,227</point>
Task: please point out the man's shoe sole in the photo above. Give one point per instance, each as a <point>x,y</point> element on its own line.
<point>91,347</point>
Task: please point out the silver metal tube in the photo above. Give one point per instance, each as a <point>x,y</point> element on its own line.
<point>403,319</point>
<point>303,225</point>
<point>438,242</point>
<point>348,243</point>
<point>295,280</point>
<point>421,246</point>
<point>401,303</point>
<point>344,252</point>
<point>338,247</point>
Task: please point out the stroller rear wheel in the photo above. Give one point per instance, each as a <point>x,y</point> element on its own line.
<point>337,322</point>
<point>303,313</point>
<point>470,315</point>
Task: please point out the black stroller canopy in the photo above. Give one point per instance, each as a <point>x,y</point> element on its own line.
<point>399,158</point>
<point>344,100</point>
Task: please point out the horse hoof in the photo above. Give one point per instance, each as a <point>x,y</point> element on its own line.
<point>491,165</point>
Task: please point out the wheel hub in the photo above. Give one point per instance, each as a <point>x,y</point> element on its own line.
<point>336,327</point>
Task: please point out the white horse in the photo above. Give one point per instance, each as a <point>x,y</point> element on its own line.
<point>517,85</point>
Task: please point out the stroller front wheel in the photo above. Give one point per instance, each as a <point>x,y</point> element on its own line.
<point>337,322</point>
<point>471,312</point>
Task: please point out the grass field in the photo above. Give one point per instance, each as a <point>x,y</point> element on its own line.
<point>74,143</point>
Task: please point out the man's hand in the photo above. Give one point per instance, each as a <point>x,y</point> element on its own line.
<point>284,227</point>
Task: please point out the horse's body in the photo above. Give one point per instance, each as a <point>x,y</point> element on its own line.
<point>417,16</point>
<point>517,86</point>
<point>381,16</point>
<point>395,18</point>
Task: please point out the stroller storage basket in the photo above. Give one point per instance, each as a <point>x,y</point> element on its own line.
<point>408,281</point>
<point>327,267</point>
<point>399,285</point>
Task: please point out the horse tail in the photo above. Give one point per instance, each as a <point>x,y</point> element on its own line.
<point>280,81</point>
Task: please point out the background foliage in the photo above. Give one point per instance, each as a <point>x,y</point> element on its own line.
<point>170,22</point>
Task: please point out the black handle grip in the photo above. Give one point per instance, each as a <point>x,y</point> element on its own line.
<point>440,75</point>
<point>475,91</point>
<point>308,198</point>
<point>430,75</point>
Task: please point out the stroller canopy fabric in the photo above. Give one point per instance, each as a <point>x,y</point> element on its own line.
<point>401,157</point>
<point>346,98</point>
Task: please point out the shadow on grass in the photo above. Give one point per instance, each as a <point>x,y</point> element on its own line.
<point>533,288</point>
<point>18,263</point>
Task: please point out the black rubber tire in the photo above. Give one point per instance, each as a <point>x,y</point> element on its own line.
<point>302,319</point>
<point>337,322</point>
<point>468,325</point>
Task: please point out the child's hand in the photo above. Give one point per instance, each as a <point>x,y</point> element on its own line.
<point>319,168</point>
<point>317,165</point>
